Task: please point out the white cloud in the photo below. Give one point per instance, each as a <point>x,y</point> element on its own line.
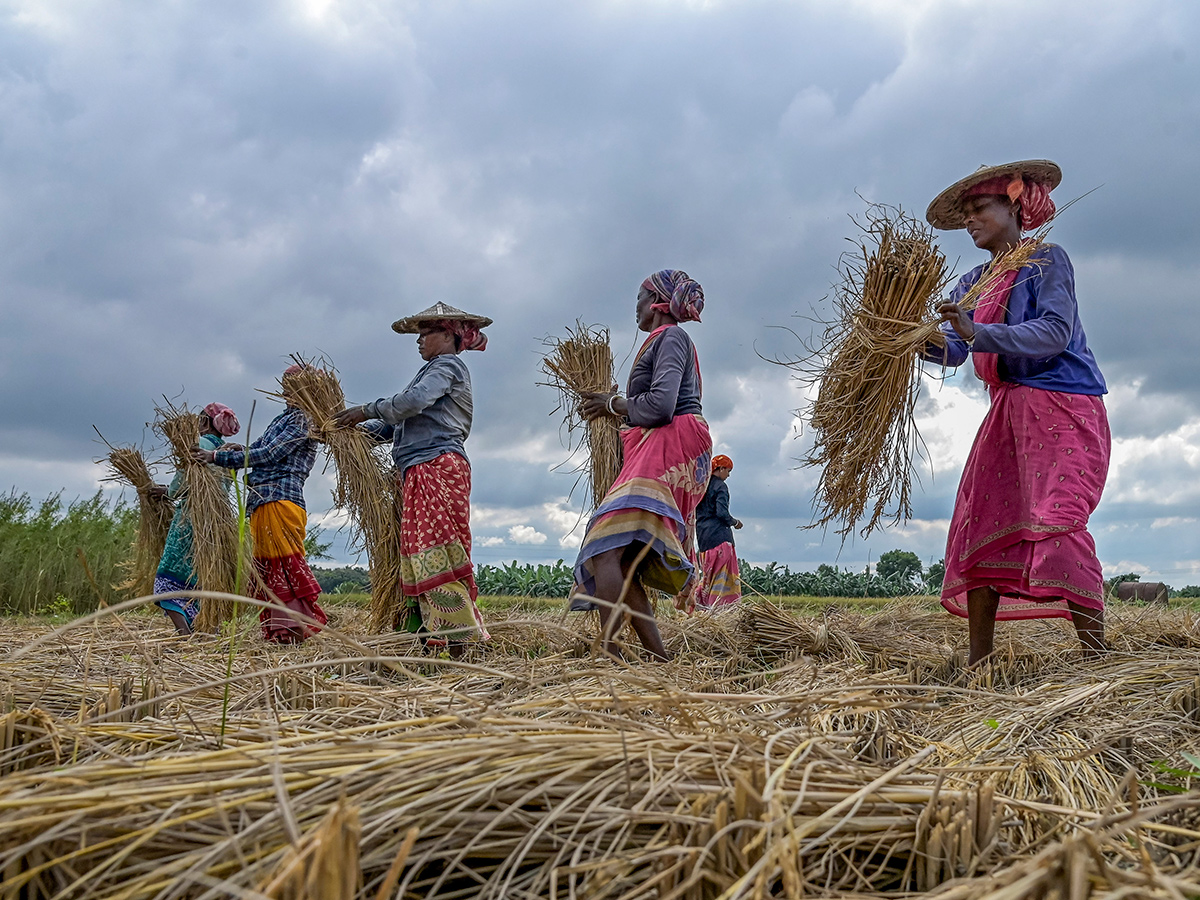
<point>525,534</point>
<point>1174,522</point>
<point>1125,566</point>
<point>489,542</point>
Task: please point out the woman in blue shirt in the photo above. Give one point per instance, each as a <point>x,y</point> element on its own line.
<point>1018,545</point>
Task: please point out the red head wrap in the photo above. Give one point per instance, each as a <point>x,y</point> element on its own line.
<point>1033,196</point>
<point>721,461</point>
<point>468,333</point>
<point>223,419</point>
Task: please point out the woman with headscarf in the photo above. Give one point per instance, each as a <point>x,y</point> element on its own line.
<point>642,535</point>
<point>1018,546</point>
<point>175,573</point>
<point>279,463</point>
<point>721,584</point>
<point>428,423</point>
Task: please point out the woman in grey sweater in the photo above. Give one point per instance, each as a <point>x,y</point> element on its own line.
<point>428,423</point>
<point>642,534</point>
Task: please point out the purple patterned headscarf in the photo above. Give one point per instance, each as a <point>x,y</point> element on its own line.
<point>680,296</point>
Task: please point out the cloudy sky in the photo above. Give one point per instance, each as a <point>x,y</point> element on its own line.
<point>192,191</point>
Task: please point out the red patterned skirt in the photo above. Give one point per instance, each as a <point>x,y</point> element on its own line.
<point>435,551</point>
<point>284,578</point>
<point>1033,477</point>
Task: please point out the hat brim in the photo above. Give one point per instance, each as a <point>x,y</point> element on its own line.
<point>946,213</point>
<point>412,324</point>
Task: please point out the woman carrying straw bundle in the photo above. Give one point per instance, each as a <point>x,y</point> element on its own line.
<point>279,464</point>
<point>428,423</point>
<point>721,584</point>
<point>642,535</point>
<point>1018,546</point>
<point>175,571</point>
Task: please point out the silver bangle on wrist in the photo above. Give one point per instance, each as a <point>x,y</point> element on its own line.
<point>609,405</point>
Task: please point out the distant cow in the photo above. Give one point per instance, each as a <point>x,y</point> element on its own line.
<point>1142,592</point>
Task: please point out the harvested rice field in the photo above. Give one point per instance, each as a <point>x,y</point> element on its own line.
<point>780,754</point>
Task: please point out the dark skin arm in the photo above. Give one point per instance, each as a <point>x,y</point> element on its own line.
<point>951,312</point>
<point>594,404</point>
<point>349,417</point>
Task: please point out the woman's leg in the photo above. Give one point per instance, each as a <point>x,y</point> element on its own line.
<point>1089,625</point>
<point>179,620</point>
<point>613,570</point>
<point>982,603</point>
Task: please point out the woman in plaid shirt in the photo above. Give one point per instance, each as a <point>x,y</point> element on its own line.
<point>279,463</point>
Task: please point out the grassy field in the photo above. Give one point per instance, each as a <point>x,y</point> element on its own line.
<point>506,606</point>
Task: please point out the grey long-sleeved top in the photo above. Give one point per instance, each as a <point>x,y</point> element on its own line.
<point>430,417</point>
<point>665,382</point>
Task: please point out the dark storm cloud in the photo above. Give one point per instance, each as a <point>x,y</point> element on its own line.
<point>190,193</point>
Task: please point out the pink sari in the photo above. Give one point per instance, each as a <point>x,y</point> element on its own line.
<point>722,582</point>
<point>653,501</point>
<point>1034,475</point>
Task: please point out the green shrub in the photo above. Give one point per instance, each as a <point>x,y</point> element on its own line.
<point>47,552</point>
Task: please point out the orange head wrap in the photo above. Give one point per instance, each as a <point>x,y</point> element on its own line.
<point>721,461</point>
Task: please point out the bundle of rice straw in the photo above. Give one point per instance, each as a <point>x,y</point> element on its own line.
<point>365,488</point>
<point>581,362</point>
<point>215,544</point>
<point>127,465</point>
<point>868,369</point>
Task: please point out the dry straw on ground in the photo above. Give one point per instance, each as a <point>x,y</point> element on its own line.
<point>777,756</point>
<point>583,361</point>
<point>218,555</point>
<point>155,511</point>
<point>867,368</point>
<point>365,488</point>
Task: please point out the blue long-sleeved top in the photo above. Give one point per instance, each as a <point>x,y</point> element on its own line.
<point>431,416</point>
<point>714,524</point>
<point>1041,342</point>
<point>279,461</point>
<point>664,382</point>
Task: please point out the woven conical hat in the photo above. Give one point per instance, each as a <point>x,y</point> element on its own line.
<point>945,212</point>
<point>439,310</point>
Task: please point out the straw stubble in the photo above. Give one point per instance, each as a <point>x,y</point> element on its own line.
<point>583,361</point>
<point>817,765</point>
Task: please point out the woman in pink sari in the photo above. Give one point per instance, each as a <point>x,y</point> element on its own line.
<point>1018,546</point>
<point>642,534</point>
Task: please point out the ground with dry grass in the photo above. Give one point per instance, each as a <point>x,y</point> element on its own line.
<point>783,753</point>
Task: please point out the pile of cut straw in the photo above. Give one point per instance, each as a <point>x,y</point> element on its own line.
<point>867,367</point>
<point>344,768</point>
<point>365,487</point>
<point>218,556</point>
<point>154,519</point>
<point>583,361</point>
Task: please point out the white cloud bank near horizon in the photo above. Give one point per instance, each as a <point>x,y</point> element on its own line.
<point>191,192</point>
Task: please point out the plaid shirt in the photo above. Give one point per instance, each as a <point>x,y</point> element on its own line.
<point>279,461</point>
